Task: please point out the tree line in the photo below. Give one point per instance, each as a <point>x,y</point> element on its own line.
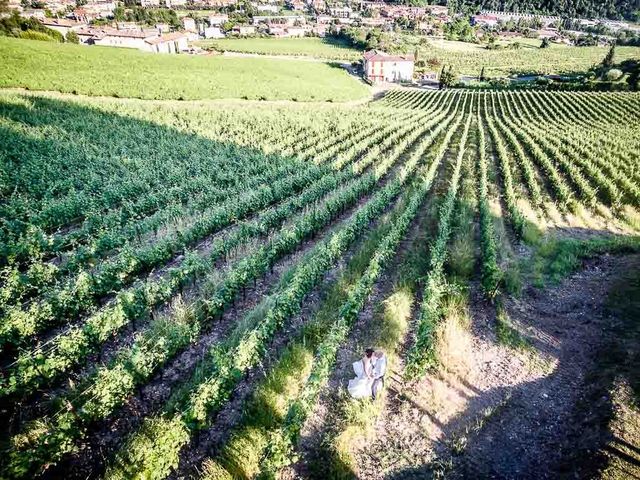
<point>613,9</point>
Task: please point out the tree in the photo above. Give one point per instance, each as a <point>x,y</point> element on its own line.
<point>72,37</point>
<point>608,60</point>
<point>481,78</point>
<point>545,43</point>
<point>448,78</point>
<point>634,78</point>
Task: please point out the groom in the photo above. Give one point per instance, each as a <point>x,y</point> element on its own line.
<point>379,369</point>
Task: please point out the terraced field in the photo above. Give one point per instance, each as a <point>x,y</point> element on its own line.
<point>178,279</point>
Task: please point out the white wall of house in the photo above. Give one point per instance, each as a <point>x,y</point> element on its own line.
<point>389,70</point>
<point>213,32</point>
<point>125,42</point>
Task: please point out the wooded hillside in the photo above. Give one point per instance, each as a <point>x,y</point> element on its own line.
<point>618,9</point>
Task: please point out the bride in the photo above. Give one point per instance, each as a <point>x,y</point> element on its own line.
<point>360,387</point>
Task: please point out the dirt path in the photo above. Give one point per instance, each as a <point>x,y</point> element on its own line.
<point>502,413</point>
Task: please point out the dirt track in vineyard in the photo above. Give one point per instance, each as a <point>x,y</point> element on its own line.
<point>509,415</point>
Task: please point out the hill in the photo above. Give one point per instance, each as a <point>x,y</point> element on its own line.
<point>121,72</point>
<point>614,9</point>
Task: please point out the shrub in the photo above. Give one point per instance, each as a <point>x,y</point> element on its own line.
<point>72,37</point>
<point>613,75</point>
<point>34,35</point>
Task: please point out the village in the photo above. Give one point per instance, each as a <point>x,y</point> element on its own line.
<point>105,23</point>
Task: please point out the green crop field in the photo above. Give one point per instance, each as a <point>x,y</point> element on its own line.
<point>468,58</point>
<point>186,284</point>
<point>129,73</point>
<point>310,47</point>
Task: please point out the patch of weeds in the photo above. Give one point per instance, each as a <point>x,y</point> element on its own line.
<point>507,334</point>
<point>531,234</point>
<point>459,444</point>
<point>512,279</point>
<point>554,259</point>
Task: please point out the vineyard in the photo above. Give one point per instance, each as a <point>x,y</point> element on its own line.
<point>469,59</point>
<point>179,279</point>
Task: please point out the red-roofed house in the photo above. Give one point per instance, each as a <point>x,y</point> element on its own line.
<point>381,67</point>
<point>169,43</point>
<point>62,25</point>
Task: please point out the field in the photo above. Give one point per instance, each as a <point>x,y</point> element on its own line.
<point>128,73</point>
<point>468,59</point>
<point>186,284</point>
<point>310,47</point>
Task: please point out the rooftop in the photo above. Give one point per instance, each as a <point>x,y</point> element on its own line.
<point>379,56</point>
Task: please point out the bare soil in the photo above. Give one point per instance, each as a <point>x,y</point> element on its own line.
<point>512,414</point>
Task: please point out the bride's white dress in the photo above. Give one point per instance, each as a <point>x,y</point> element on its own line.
<point>360,387</point>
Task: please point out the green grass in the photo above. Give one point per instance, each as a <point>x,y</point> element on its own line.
<point>507,334</point>
<point>129,73</point>
<point>554,259</point>
<point>309,47</point>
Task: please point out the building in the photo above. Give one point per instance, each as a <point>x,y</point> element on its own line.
<point>317,5</point>
<point>381,67</point>
<point>111,37</point>
<point>546,21</point>
<point>144,40</point>
<point>100,8</point>
<point>59,6</point>
<point>217,20</point>
<point>163,27</point>
<point>189,24</point>
<point>212,32</point>
<point>175,42</point>
<point>397,11</point>
<point>244,30</point>
<point>319,30</point>
<point>341,12</point>
<point>62,25</point>
<point>267,8</point>
<point>297,31</point>
<point>372,22</point>
<point>484,20</point>
<point>438,10</point>
<point>279,20</point>
<point>296,5</point>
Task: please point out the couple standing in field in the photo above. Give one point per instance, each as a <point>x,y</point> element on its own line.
<point>369,372</point>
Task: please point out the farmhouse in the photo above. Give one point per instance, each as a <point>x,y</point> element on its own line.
<point>381,67</point>
<point>145,40</point>
<point>170,43</point>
